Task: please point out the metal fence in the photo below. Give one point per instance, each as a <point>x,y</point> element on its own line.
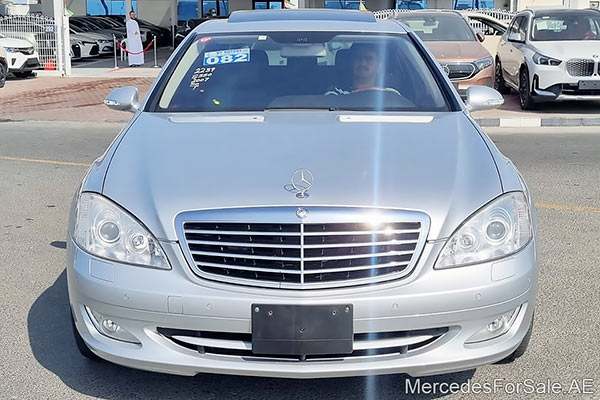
<point>502,15</point>
<point>39,30</point>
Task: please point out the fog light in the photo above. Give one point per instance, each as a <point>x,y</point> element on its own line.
<point>109,328</point>
<point>498,326</point>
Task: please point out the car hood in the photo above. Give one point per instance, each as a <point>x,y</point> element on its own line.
<point>168,164</point>
<point>564,50</point>
<point>9,42</point>
<point>457,51</point>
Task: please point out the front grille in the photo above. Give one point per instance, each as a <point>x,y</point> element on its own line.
<point>312,254</point>
<point>459,71</point>
<point>580,67</point>
<point>398,343</point>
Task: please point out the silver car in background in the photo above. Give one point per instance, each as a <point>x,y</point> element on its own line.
<point>548,55</point>
<point>302,194</point>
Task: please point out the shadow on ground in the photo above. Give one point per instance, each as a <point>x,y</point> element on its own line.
<point>54,348</point>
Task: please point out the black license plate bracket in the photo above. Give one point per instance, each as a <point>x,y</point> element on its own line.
<point>301,330</point>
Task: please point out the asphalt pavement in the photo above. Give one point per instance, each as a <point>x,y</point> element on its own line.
<point>41,165</point>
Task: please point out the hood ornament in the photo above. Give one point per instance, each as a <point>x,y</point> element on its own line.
<point>301,182</point>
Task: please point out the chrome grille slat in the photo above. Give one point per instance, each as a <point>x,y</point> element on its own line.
<point>329,270</point>
<point>271,247</point>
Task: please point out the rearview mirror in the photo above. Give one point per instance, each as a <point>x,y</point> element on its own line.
<point>123,99</point>
<point>480,36</point>
<point>483,98</point>
<point>515,37</point>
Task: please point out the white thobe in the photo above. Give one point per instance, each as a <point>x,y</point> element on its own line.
<point>134,43</point>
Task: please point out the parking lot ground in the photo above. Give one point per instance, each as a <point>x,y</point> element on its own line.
<point>41,164</point>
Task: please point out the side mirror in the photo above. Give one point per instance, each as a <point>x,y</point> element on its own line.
<point>480,36</point>
<point>483,98</point>
<point>515,37</point>
<point>123,99</point>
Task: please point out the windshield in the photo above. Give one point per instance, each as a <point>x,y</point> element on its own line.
<point>302,70</point>
<point>584,26</point>
<point>439,28</point>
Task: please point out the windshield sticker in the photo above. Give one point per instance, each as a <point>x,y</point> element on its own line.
<point>262,37</point>
<point>227,56</point>
<point>200,76</point>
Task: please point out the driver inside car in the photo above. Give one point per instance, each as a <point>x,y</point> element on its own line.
<point>366,68</point>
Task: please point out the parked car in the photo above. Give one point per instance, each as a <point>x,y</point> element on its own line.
<point>454,44</point>
<point>492,28</point>
<point>87,25</point>
<point>350,221</point>
<point>84,45</point>
<point>550,55</point>
<point>3,66</point>
<point>22,57</point>
<point>104,39</point>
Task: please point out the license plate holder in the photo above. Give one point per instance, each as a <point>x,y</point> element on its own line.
<point>301,330</point>
<point>589,85</point>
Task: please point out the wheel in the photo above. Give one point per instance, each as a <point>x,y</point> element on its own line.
<point>521,349</point>
<point>2,75</point>
<point>499,83</point>
<point>83,349</point>
<point>525,97</point>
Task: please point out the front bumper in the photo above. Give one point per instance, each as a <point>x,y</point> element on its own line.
<point>553,83</point>
<point>19,62</point>
<point>142,300</point>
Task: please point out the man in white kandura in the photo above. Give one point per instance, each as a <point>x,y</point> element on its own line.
<point>134,42</point>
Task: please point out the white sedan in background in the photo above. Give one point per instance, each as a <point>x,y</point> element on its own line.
<point>22,58</point>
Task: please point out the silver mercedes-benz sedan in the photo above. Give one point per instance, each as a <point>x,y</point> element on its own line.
<point>302,194</point>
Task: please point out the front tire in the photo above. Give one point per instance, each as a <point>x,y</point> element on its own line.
<point>3,73</point>
<point>499,83</point>
<point>525,98</point>
<point>83,349</point>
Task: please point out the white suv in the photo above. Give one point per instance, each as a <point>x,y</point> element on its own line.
<point>22,57</point>
<point>550,55</point>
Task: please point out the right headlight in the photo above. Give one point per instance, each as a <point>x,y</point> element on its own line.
<point>105,230</point>
<point>499,229</point>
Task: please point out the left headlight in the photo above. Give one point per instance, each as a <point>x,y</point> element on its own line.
<point>11,49</point>
<point>499,229</point>
<point>105,230</point>
<point>484,63</point>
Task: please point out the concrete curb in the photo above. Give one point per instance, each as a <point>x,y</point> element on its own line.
<point>531,122</point>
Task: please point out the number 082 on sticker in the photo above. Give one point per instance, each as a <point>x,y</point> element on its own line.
<point>227,56</point>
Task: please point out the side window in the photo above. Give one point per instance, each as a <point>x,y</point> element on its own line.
<point>524,27</point>
<point>513,28</point>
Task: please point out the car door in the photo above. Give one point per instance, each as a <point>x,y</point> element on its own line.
<point>509,49</point>
<point>492,30</point>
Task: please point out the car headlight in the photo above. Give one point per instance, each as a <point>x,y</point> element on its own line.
<point>499,229</point>
<point>540,59</point>
<point>105,230</point>
<point>11,49</point>
<point>484,63</point>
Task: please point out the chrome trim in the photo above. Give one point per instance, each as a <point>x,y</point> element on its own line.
<point>318,215</point>
<point>472,65</point>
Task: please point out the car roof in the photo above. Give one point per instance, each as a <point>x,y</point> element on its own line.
<point>429,12</point>
<point>300,20</point>
<point>541,12</point>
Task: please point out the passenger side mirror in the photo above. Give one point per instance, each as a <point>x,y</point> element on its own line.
<point>480,36</point>
<point>123,99</point>
<point>516,37</point>
<point>483,98</point>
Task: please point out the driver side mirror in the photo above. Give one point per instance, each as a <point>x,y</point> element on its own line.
<point>123,99</point>
<point>480,36</point>
<point>483,98</point>
<point>516,37</point>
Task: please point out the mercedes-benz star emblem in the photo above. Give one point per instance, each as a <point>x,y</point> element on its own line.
<point>301,212</point>
<point>302,181</point>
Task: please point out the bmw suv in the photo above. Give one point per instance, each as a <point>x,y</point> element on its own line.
<point>302,194</point>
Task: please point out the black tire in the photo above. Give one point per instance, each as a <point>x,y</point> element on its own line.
<point>499,83</point>
<point>525,98</point>
<point>83,349</point>
<point>521,349</point>
<point>2,75</point>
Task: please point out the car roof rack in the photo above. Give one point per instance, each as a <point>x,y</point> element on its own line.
<point>301,15</point>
